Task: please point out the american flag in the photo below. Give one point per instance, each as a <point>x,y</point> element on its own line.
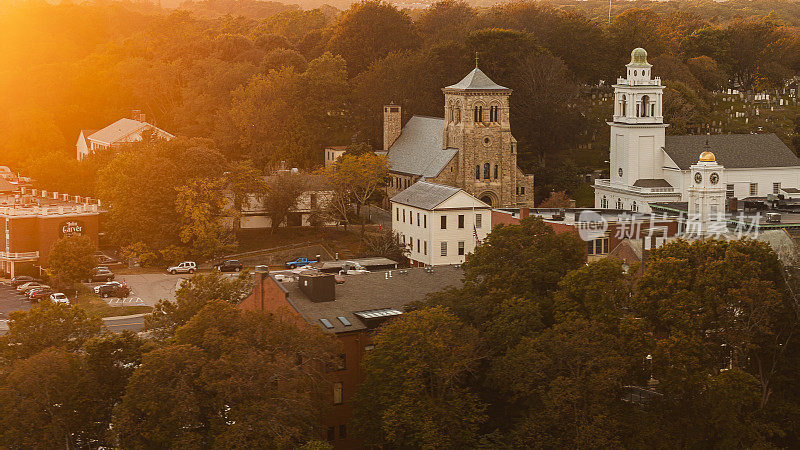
<point>475,233</point>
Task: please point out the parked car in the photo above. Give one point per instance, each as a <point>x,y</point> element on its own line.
<point>22,279</point>
<point>59,297</point>
<point>113,290</point>
<point>97,288</point>
<point>299,262</point>
<point>184,267</point>
<point>23,288</point>
<point>231,265</point>
<point>37,295</point>
<point>102,274</point>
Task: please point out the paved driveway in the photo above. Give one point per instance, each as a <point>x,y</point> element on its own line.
<point>151,287</point>
<point>10,300</point>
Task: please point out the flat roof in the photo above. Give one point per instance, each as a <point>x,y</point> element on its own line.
<point>371,296</point>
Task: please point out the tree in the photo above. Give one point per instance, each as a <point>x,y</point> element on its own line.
<point>567,382</point>
<point>446,20</point>
<point>71,259</point>
<point>370,30</point>
<point>386,244</point>
<point>232,378</point>
<point>47,325</point>
<point>356,179</point>
<point>415,392</point>
<point>202,207</point>
<point>283,190</point>
<point>557,199</point>
<point>708,72</point>
<point>48,400</point>
<point>192,295</point>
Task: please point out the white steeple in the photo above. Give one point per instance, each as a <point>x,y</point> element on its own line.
<point>706,196</point>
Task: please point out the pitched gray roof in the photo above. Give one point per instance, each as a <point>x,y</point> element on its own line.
<point>371,291</point>
<point>652,182</point>
<point>477,80</point>
<point>734,151</point>
<point>121,129</point>
<point>425,195</point>
<point>418,149</point>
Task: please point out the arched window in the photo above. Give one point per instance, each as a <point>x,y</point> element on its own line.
<point>457,112</point>
<point>604,203</point>
<point>619,203</point>
<point>477,171</point>
<point>624,111</point>
<point>645,105</point>
<point>495,171</point>
<point>487,171</point>
<point>494,114</point>
<point>633,207</point>
<point>478,114</point>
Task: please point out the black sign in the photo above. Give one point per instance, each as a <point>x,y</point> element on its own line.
<point>71,228</point>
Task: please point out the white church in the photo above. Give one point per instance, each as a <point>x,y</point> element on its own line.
<point>646,166</point>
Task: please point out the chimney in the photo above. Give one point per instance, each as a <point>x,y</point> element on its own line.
<point>392,124</point>
<point>524,212</point>
<point>261,272</point>
<point>318,287</point>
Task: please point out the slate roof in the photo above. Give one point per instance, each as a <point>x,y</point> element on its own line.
<point>418,149</point>
<point>425,195</point>
<point>372,291</point>
<point>734,151</point>
<point>477,80</point>
<point>119,130</point>
<point>652,182</point>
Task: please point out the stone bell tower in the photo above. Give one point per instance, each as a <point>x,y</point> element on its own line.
<point>706,196</point>
<point>476,122</point>
<point>638,128</point>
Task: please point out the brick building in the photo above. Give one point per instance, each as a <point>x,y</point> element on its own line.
<point>32,221</point>
<point>470,148</point>
<point>350,311</point>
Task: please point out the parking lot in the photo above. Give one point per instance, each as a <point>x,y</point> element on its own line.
<point>10,300</point>
<point>146,289</point>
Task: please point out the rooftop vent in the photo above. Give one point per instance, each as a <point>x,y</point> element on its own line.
<point>318,287</point>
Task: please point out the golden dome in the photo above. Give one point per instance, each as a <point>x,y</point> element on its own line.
<point>707,156</point>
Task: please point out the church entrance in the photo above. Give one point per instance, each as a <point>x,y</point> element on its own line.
<point>489,198</point>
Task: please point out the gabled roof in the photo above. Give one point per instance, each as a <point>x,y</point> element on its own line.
<point>418,149</point>
<point>734,151</point>
<point>477,80</point>
<point>425,195</point>
<point>652,182</point>
<point>6,186</point>
<point>121,129</point>
<point>84,134</point>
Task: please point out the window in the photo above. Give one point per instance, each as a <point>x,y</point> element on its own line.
<point>479,114</point>
<point>331,434</point>
<point>341,362</point>
<point>597,246</point>
<point>604,202</point>
<point>713,213</point>
<point>424,247</point>
<point>461,248</point>
<point>493,114</point>
<point>729,191</point>
<point>417,245</point>
<point>425,221</point>
<point>460,221</point>
<point>342,431</point>
<point>444,222</point>
<point>645,105</point>
<point>486,171</point>
<point>495,171</point>
<point>417,219</point>
<point>478,220</point>
<point>397,210</point>
<point>477,171</point>
<point>776,188</point>
<point>337,393</point>
<point>619,203</point>
<point>404,215</point>
<point>624,105</point>
<point>444,249</point>
<point>753,188</point>
<point>633,207</point>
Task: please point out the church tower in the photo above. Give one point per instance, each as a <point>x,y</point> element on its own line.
<point>476,123</point>
<point>706,196</point>
<point>638,129</point>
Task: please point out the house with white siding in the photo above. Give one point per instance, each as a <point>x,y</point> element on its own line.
<point>439,224</point>
<point>120,132</point>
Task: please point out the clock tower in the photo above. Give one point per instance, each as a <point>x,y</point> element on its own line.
<point>707,195</point>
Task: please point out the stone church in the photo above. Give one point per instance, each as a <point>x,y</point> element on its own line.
<point>470,148</point>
